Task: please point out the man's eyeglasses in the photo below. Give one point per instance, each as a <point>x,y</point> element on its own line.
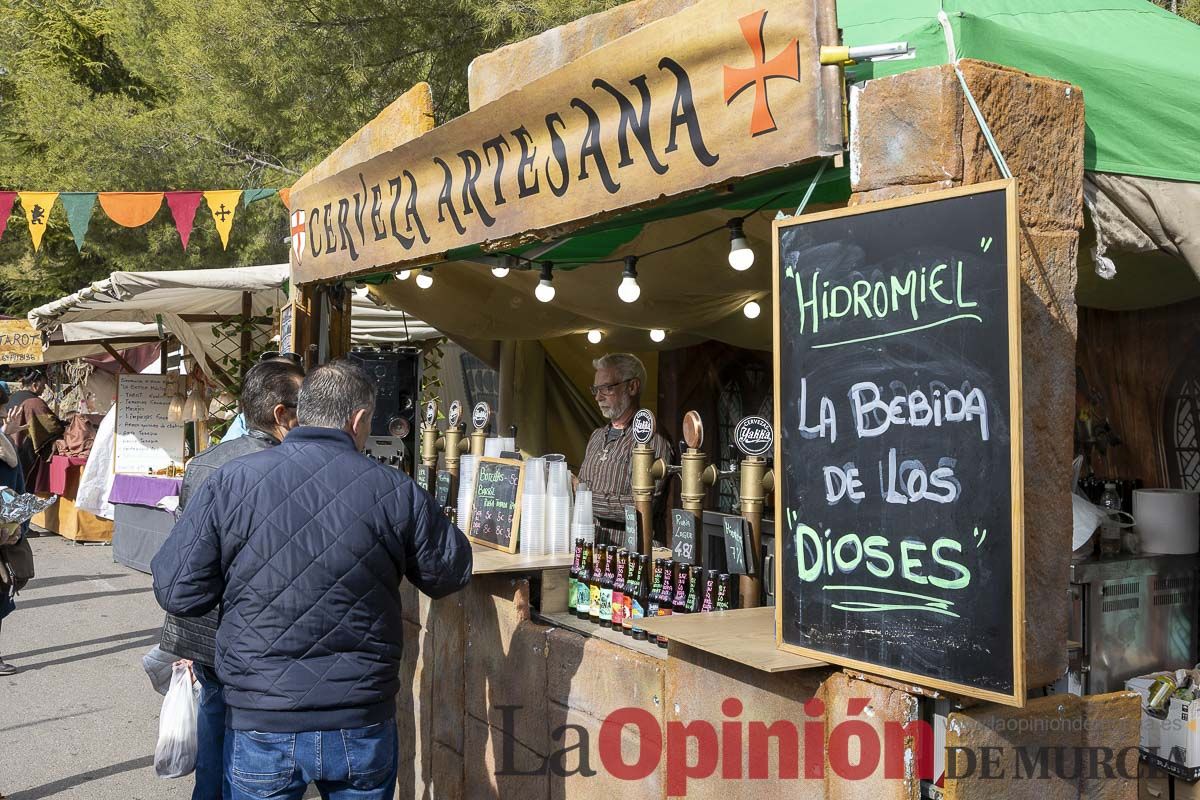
<point>607,388</point>
<point>273,354</point>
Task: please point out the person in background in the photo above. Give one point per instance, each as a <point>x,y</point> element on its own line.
<point>33,427</point>
<point>304,545</point>
<point>12,476</point>
<point>607,460</point>
<point>268,401</point>
<point>237,428</point>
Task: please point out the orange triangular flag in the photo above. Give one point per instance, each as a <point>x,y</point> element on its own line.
<point>131,209</point>
<point>37,207</point>
<point>223,205</point>
<point>285,195</point>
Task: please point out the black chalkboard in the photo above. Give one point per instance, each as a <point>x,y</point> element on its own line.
<point>423,474</point>
<point>683,536</point>
<point>898,460</point>
<point>496,510</point>
<point>441,492</point>
<point>633,540</point>
<point>736,561</point>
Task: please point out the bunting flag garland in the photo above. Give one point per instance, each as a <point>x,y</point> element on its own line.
<point>183,209</point>
<point>254,195</point>
<point>285,194</point>
<point>6,203</point>
<point>37,207</point>
<point>131,209</point>
<point>223,205</point>
<point>79,207</point>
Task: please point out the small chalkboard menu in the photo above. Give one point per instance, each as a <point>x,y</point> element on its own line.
<point>898,459</point>
<point>496,510</point>
<point>441,490</point>
<point>423,477</point>
<point>633,539</point>
<point>736,558</point>
<point>683,536</point>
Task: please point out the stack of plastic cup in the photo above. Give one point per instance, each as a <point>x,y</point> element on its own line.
<point>558,508</point>
<point>466,488</point>
<point>508,444</point>
<point>533,509</point>
<point>582,524</point>
<point>491,447</point>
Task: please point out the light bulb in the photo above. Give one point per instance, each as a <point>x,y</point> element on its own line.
<point>500,272</point>
<point>403,274</point>
<point>657,335</point>
<point>425,278</point>
<point>362,292</point>
<point>594,336</point>
<point>741,257</point>
<point>629,291</point>
<point>752,310</point>
<point>544,291</point>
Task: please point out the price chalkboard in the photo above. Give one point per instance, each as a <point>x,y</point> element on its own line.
<point>898,458</point>
<point>423,475</point>
<point>683,536</point>
<point>633,539</point>
<point>441,491</point>
<point>736,559</point>
<point>496,511</point>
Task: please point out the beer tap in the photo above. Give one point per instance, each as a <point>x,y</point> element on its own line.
<point>452,443</point>
<point>481,417</point>
<point>429,443</point>
<point>645,472</point>
<point>696,475</point>
<point>755,439</point>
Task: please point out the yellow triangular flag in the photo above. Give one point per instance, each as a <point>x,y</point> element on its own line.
<point>223,204</point>
<point>37,207</point>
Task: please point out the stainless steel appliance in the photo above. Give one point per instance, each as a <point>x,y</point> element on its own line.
<point>1131,615</point>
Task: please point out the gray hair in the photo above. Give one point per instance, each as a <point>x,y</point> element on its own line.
<point>627,365</point>
<point>332,393</point>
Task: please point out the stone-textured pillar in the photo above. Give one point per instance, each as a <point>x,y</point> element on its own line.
<point>915,133</point>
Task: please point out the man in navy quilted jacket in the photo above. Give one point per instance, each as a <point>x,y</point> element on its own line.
<point>304,545</point>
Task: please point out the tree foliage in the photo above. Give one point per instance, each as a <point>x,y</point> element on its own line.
<point>160,95</point>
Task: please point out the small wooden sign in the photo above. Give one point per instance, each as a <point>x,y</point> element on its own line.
<point>20,342</point>
<point>496,511</point>
<point>441,491</point>
<point>736,558</point>
<point>632,533</point>
<point>683,536</point>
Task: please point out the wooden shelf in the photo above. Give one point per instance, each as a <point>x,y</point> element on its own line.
<point>573,623</point>
<point>744,635</point>
<point>488,561</point>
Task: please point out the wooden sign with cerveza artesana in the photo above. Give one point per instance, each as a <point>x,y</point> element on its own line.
<point>898,463</point>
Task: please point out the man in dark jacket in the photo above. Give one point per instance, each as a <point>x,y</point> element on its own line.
<point>305,545</point>
<point>268,401</point>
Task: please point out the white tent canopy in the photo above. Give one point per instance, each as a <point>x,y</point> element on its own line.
<point>130,306</point>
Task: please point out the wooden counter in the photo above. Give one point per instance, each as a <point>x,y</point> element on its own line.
<point>744,635</point>
<point>489,561</point>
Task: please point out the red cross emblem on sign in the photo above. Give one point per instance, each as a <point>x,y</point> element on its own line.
<point>738,79</point>
<point>298,233</point>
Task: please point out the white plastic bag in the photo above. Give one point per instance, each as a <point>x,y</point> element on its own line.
<point>175,755</point>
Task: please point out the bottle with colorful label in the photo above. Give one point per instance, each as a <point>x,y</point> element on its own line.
<point>618,590</point>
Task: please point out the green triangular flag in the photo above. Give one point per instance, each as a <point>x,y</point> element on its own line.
<point>79,207</point>
<point>254,195</point>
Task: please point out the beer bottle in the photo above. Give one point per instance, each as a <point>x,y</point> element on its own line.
<point>582,604</point>
<point>710,592</point>
<point>641,600</point>
<point>679,601</point>
<point>606,586</point>
<point>573,577</point>
<point>598,560</point>
<point>665,607</point>
<point>618,590</point>
<point>633,586</point>
<point>725,590</point>
<point>656,581</point>
<point>695,588</point>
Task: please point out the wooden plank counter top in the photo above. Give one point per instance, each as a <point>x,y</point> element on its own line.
<point>488,561</point>
<point>744,635</point>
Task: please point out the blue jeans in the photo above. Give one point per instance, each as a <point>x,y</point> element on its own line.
<point>354,764</point>
<point>211,782</point>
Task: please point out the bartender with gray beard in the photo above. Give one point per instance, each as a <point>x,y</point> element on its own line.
<point>606,461</point>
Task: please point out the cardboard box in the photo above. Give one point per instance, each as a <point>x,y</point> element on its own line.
<point>1172,744</point>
